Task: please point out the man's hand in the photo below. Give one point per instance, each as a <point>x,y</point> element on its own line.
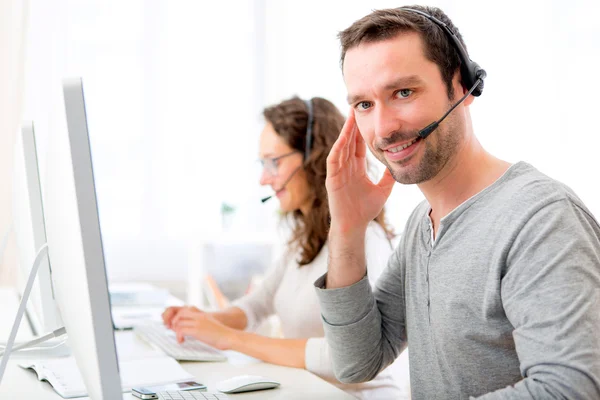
<point>354,200</point>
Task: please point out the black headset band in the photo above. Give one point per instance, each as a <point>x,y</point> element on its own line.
<point>309,129</point>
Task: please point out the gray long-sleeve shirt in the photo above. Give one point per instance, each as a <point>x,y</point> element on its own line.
<point>504,305</point>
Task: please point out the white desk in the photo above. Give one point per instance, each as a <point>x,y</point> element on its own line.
<point>295,383</point>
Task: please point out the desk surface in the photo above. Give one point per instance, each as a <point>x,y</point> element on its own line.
<point>19,383</point>
<point>295,383</point>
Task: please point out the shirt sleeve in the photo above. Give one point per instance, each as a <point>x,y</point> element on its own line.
<point>551,295</point>
<point>365,328</point>
<point>259,304</point>
<point>378,250</point>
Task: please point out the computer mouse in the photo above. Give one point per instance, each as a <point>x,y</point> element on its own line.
<point>246,383</point>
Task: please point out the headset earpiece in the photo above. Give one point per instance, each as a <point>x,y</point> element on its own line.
<point>471,72</point>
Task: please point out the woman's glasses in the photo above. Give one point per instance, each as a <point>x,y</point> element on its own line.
<point>271,164</point>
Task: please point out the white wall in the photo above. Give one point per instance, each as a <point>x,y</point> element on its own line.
<point>173,96</point>
<point>13,28</point>
<point>174,92</point>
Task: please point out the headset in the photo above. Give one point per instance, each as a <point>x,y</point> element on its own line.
<point>307,147</point>
<point>472,74</point>
<point>309,129</point>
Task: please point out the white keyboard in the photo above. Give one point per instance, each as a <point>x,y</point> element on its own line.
<point>193,395</point>
<point>190,350</point>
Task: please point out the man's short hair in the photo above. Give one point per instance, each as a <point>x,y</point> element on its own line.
<point>388,23</point>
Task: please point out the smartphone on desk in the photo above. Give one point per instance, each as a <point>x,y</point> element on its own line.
<point>151,392</point>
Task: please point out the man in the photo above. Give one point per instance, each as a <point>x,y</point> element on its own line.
<point>495,285</point>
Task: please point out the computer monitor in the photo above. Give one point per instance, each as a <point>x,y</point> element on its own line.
<point>30,233</point>
<point>76,252</point>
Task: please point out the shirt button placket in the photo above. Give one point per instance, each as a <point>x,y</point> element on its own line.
<point>428,286</point>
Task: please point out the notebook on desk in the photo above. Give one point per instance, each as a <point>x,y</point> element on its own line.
<point>65,378</point>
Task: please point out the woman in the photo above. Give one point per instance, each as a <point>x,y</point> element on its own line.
<point>294,145</point>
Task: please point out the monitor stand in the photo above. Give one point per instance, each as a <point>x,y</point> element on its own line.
<point>42,252</point>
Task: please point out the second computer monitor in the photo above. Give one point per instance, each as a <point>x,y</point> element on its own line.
<point>76,251</point>
<point>30,232</point>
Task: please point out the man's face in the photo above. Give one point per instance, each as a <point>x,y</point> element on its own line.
<point>395,92</point>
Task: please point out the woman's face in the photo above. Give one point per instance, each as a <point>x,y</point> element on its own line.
<point>293,195</point>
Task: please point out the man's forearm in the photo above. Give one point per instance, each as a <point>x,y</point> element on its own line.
<point>347,260</point>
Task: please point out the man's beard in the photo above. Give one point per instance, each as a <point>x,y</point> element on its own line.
<point>435,154</point>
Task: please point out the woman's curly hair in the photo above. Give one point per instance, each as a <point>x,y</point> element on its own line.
<point>289,120</point>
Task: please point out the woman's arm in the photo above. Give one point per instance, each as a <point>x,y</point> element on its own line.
<point>208,329</point>
<point>378,250</point>
<point>286,352</point>
<point>232,317</point>
<point>259,304</point>
<point>247,312</point>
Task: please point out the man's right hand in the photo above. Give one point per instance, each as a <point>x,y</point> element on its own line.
<point>354,200</point>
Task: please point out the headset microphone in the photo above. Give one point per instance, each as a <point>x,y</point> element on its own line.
<point>423,133</point>
<point>265,199</point>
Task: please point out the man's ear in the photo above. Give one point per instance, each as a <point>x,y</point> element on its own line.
<point>469,99</point>
<point>459,88</point>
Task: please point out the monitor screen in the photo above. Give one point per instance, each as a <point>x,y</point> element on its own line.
<point>30,233</point>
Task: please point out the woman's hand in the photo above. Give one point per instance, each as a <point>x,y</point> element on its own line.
<point>189,321</point>
<point>170,312</point>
